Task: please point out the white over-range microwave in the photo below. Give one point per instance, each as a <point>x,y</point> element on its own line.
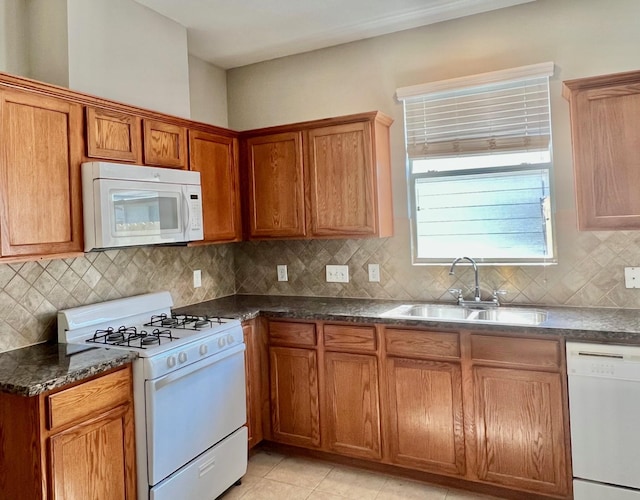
<point>130,205</point>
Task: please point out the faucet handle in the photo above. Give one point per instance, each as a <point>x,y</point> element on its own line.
<point>457,293</point>
<point>496,293</point>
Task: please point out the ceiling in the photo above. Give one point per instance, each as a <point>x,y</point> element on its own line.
<point>232,33</point>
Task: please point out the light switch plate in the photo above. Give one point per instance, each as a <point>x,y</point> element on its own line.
<point>337,274</point>
<point>282,272</point>
<point>632,277</point>
<point>374,273</point>
<point>197,278</point>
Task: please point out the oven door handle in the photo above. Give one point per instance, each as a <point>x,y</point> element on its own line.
<point>194,367</point>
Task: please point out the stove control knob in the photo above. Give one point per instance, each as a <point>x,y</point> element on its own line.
<point>230,339</point>
<point>171,361</point>
<point>222,342</point>
<point>204,348</point>
<point>182,357</point>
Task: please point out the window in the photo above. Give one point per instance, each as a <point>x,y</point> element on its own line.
<point>479,167</point>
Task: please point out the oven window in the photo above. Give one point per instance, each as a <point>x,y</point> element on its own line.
<point>145,212</point>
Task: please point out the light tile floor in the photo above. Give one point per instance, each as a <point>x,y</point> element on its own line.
<point>271,476</point>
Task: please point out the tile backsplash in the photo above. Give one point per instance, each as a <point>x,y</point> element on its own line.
<point>32,292</point>
<point>589,273</point>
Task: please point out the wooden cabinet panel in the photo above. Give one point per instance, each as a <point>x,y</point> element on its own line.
<point>421,343</point>
<point>90,461</point>
<point>539,353</point>
<point>112,135</point>
<point>40,156</point>
<point>295,412</point>
<point>276,186</point>
<point>520,429</point>
<point>292,334</point>
<point>605,117</point>
<point>165,144</point>
<point>341,180</point>
<point>350,338</point>
<point>216,158</point>
<point>353,411</point>
<point>81,401</point>
<point>426,428</point>
<point>253,383</point>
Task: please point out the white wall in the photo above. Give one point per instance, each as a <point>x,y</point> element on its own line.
<point>123,51</point>
<point>48,41</point>
<point>13,37</point>
<point>208,92</point>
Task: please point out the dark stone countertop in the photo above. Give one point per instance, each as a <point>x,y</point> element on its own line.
<point>35,369</point>
<point>573,323</point>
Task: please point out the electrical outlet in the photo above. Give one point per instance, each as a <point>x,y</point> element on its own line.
<point>337,274</point>
<point>632,277</point>
<point>374,273</point>
<point>197,278</point>
<point>282,272</point>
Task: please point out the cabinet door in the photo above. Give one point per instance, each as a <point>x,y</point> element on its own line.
<point>425,415</point>
<point>165,144</point>
<point>95,459</point>
<point>520,429</point>
<point>216,158</point>
<point>40,156</point>
<point>276,186</point>
<point>295,415</point>
<point>353,412</point>
<point>604,124</point>
<point>252,375</point>
<point>113,135</point>
<point>341,180</point>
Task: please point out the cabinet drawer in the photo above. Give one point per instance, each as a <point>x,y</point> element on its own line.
<point>88,399</point>
<point>353,338</point>
<point>293,334</point>
<point>514,350</point>
<point>415,343</point>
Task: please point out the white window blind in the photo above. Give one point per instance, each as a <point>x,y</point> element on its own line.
<point>479,152</point>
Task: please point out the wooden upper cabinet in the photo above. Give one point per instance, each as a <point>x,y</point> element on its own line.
<point>275,182</point>
<point>40,156</point>
<point>322,179</point>
<point>165,144</point>
<point>341,180</point>
<point>216,158</point>
<point>112,135</point>
<point>605,118</point>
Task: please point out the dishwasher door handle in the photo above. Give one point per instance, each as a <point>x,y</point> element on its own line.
<point>600,355</point>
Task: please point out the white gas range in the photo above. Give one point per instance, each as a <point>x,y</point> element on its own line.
<point>189,391</point>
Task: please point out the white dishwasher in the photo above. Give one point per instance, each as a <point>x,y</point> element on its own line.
<point>604,409</point>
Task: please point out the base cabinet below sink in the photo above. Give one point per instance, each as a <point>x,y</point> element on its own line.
<point>471,408</point>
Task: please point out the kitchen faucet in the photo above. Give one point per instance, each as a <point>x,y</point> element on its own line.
<point>475,274</point>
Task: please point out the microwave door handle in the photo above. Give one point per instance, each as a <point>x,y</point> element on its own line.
<point>185,208</point>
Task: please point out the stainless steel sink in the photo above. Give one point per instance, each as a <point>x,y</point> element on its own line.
<point>506,315</point>
<point>512,316</point>
<point>429,311</point>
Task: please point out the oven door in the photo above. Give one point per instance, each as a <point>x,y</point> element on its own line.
<point>190,410</point>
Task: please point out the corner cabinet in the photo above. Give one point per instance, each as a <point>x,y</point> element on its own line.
<point>79,441</point>
<point>216,158</point>
<point>40,155</point>
<point>323,179</point>
<point>605,118</point>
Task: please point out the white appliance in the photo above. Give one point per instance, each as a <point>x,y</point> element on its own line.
<point>604,409</point>
<point>189,391</point>
<point>127,205</point>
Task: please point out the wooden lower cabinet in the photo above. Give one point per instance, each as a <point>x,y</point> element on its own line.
<point>295,408</point>
<point>353,410</point>
<point>79,442</point>
<point>252,362</point>
<point>425,417</point>
<point>520,429</point>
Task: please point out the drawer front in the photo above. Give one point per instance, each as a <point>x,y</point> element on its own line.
<point>415,343</point>
<point>293,334</point>
<point>86,400</point>
<point>352,338</point>
<point>520,351</point>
